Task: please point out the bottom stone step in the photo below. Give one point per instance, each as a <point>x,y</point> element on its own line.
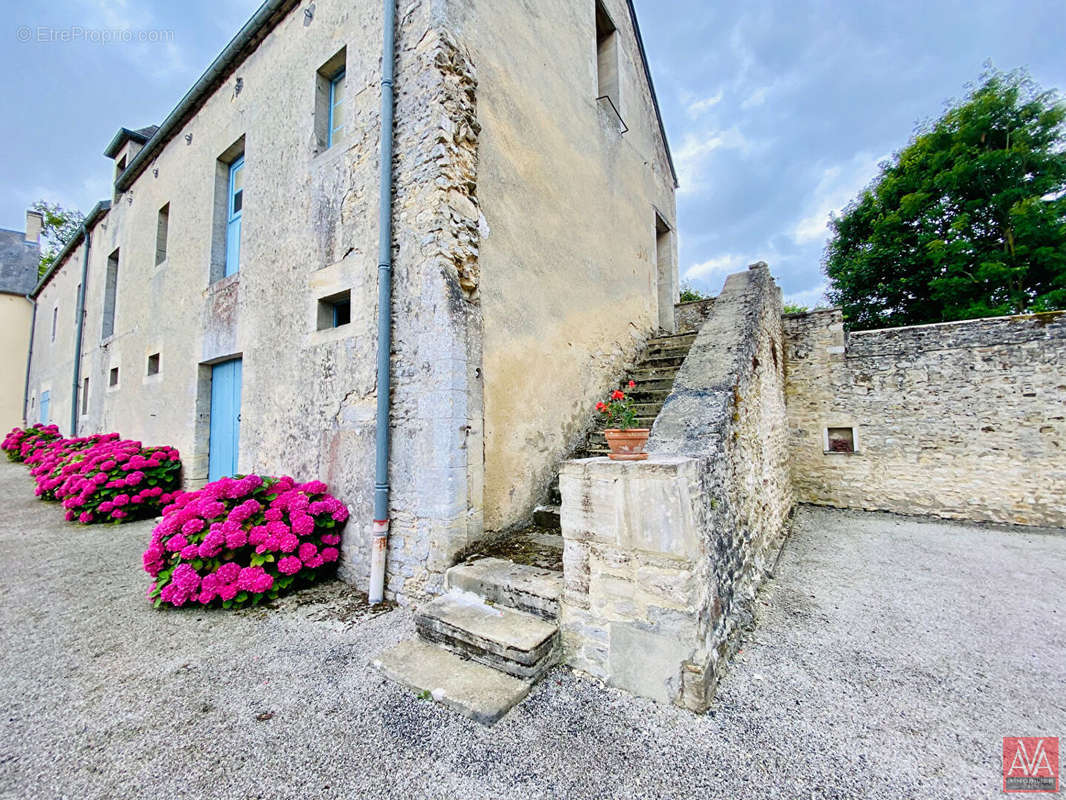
<point>472,689</point>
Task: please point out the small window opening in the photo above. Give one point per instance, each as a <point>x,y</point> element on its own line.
<point>161,228</point>
<point>606,57</point>
<point>335,311</point>
<point>330,93</point>
<point>112,378</point>
<point>55,321</point>
<point>840,440</point>
<point>153,364</point>
<point>85,396</point>
<point>110,296</point>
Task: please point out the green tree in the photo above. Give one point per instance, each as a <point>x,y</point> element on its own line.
<point>60,226</point>
<point>968,220</point>
<point>690,294</point>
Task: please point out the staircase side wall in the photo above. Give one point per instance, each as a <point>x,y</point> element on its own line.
<point>662,558</point>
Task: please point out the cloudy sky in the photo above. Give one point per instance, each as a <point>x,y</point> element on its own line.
<point>777,112</point>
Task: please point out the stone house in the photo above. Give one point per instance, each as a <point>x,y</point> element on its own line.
<point>20,254</point>
<point>229,288</point>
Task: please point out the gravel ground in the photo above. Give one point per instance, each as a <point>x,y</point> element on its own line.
<point>890,657</point>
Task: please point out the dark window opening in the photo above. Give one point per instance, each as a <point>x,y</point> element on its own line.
<point>335,311</point>
<point>153,364</point>
<point>85,396</point>
<point>55,321</point>
<point>840,440</point>
<point>110,296</point>
<point>112,378</point>
<point>161,230</point>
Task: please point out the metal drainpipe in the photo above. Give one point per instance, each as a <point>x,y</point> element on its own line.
<point>380,535</point>
<point>29,362</point>
<point>86,243</point>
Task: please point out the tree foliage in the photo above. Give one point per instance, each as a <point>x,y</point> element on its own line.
<point>968,220</point>
<point>60,226</point>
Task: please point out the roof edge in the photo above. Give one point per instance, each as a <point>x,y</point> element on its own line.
<point>262,22</point>
<point>651,87</point>
<point>95,214</point>
<point>124,135</point>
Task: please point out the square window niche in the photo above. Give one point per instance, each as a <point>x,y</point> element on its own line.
<point>335,310</point>
<point>843,439</point>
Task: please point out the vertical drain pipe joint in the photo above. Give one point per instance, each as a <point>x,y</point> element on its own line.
<point>380,532</point>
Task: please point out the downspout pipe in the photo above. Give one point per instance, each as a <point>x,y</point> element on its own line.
<point>76,380</point>
<point>29,362</point>
<point>380,530</point>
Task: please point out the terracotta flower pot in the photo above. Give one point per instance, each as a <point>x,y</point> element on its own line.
<point>627,445</point>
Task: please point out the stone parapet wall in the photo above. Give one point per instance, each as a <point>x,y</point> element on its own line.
<point>662,558</point>
<point>962,420</point>
<point>691,316</point>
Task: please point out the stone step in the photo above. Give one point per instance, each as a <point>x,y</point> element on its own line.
<point>474,690</point>
<point>643,421</point>
<point>643,373</point>
<point>667,351</point>
<point>511,641</point>
<point>643,396</point>
<point>546,517</point>
<point>505,583</point>
<point>662,360</point>
<point>675,339</point>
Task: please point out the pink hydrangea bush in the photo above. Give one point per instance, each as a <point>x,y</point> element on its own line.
<point>239,541</point>
<point>60,458</point>
<point>117,480</point>
<point>20,443</point>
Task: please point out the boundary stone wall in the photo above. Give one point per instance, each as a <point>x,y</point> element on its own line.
<point>962,420</point>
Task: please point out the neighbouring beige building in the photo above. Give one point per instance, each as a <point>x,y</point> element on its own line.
<point>231,281</point>
<point>20,255</point>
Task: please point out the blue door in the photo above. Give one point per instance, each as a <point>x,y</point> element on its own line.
<point>233,215</point>
<point>46,400</point>
<point>225,419</point>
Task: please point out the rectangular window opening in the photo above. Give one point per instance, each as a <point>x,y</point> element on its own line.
<point>161,228</point>
<point>840,440</point>
<point>330,83</point>
<point>335,310</point>
<point>228,212</point>
<point>85,396</point>
<point>112,377</point>
<point>153,364</point>
<point>55,321</point>
<point>110,296</point>
<point>606,57</point>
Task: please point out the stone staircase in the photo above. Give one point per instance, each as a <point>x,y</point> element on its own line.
<point>494,632</point>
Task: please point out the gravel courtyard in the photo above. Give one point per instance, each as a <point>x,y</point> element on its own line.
<point>890,657</point>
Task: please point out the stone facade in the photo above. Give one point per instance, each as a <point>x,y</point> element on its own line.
<point>20,254</point>
<point>964,420</point>
<point>662,557</point>
<point>480,297</point>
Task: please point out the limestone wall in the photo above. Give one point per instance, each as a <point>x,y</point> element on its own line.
<point>569,278</point>
<point>691,316</point>
<point>662,557</point>
<point>964,420</point>
<point>309,231</point>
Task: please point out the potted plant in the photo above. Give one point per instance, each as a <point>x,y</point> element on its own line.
<point>625,439</point>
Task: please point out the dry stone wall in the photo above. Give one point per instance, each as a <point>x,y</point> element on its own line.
<point>962,420</point>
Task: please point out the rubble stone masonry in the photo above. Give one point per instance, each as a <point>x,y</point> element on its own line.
<point>963,420</point>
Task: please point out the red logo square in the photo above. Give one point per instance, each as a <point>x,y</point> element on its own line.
<point>1030,764</point>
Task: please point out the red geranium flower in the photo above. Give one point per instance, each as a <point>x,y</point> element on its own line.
<point>618,394</point>
<point>632,384</point>
<point>601,406</point>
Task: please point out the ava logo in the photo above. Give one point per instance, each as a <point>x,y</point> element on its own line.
<point>1030,764</point>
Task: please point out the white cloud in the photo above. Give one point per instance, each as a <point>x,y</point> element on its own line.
<point>696,108</point>
<point>691,157</point>
<point>810,298</point>
<point>837,186</point>
<point>717,268</point>
<point>756,98</point>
